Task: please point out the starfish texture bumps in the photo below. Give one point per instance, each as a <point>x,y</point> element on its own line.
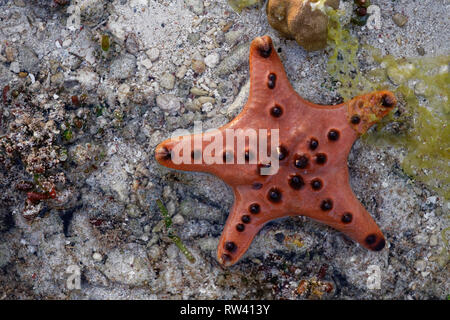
<point>314,142</point>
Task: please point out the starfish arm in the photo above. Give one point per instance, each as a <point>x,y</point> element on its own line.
<point>208,152</point>
<point>245,220</point>
<point>346,214</point>
<point>268,78</point>
<point>366,110</point>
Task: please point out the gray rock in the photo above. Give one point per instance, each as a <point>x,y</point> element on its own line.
<point>237,58</point>
<point>167,81</point>
<point>28,60</point>
<point>195,6</point>
<point>212,60</point>
<point>123,67</point>
<point>168,102</point>
<point>153,54</point>
<point>400,19</point>
<point>128,266</point>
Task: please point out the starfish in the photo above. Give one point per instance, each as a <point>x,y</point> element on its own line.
<point>314,142</point>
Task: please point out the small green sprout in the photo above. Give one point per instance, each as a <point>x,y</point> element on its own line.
<point>239,5</point>
<point>171,233</point>
<point>105,43</point>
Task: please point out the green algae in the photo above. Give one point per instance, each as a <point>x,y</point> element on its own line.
<point>420,124</point>
<point>171,233</point>
<point>239,5</point>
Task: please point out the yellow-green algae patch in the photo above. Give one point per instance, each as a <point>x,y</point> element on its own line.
<point>239,5</point>
<point>420,123</point>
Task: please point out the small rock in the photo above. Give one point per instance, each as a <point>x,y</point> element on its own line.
<point>420,265</point>
<point>19,3</point>
<point>203,100</point>
<point>167,81</point>
<point>128,266</point>
<point>207,107</point>
<point>195,6</point>
<point>168,102</point>
<point>123,67</point>
<point>28,60</point>
<point>198,92</point>
<point>400,19</point>
<point>57,79</point>
<point>153,54</point>
<point>233,36</point>
<point>147,63</point>
<point>181,72</point>
<point>193,37</point>
<point>10,53</point>
<point>87,78</point>
<point>420,88</point>
<point>14,67</point>
<point>67,43</point>
<point>198,66</point>
<point>133,211</point>
<point>132,45</point>
<point>212,60</point>
<point>236,58</point>
<point>421,51</point>
<point>178,219</point>
<point>433,240</point>
<point>97,256</point>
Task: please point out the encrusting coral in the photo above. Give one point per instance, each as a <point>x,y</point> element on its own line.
<point>302,20</point>
<point>314,142</point>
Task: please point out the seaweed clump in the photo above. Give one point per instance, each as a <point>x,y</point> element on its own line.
<point>239,5</point>
<point>420,124</point>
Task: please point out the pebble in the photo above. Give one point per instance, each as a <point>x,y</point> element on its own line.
<point>421,51</point>
<point>203,100</point>
<point>123,67</point>
<point>57,79</point>
<point>153,54</point>
<point>433,240</point>
<point>212,60</point>
<point>181,72</point>
<point>207,107</point>
<point>236,58</point>
<point>195,6</point>
<point>400,19</point>
<point>420,265</point>
<point>167,81</point>
<point>420,88</point>
<point>87,78</point>
<point>198,66</point>
<point>147,63</point>
<point>67,43</point>
<point>28,59</point>
<point>10,54</point>
<point>19,3</point>
<point>14,67</point>
<point>178,219</point>
<point>133,211</point>
<point>233,36</point>
<point>168,102</point>
<point>97,256</point>
<point>198,92</point>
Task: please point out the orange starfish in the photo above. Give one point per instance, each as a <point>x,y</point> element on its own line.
<point>312,179</point>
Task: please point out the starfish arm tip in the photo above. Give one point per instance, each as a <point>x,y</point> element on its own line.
<point>366,110</point>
